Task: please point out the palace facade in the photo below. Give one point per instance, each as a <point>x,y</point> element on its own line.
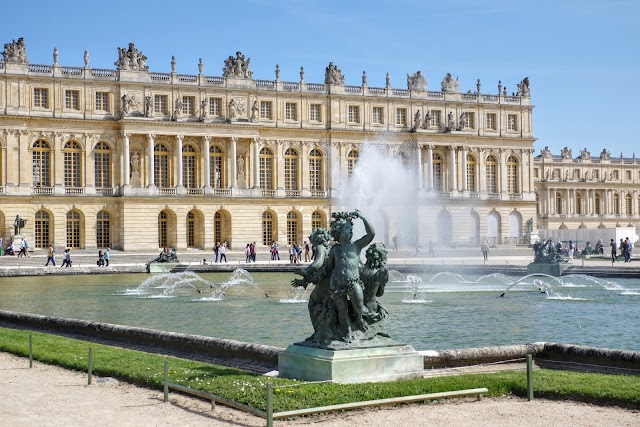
<point>136,160</point>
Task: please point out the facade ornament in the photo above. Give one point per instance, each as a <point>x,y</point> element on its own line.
<point>173,64</point>
<point>586,175</point>
<point>301,74</point>
<point>200,66</point>
<point>148,107</point>
<point>388,80</point>
<point>585,154</point>
<point>451,122</point>
<point>417,121</point>
<point>277,72</point>
<point>177,108</point>
<point>135,162</point>
<point>546,153</point>
<point>364,78</point>
<point>416,81</point>
<point>236,108</point>
<point>499,87</point>
<point>566,153</point>
<point>56,55</point>
<point>203,110</point>
<point>427,121</point>
<point>240,173</point>
<point>555,174</point>
<point>333,75</point>
<point>566,175</point>
<point>254,111</point>
<point>86,58</point>
<point>523,88</point>
<point>547,176</point>
<point>605,155</point>
<point>237,67</point>
<point>478,86</point>
<point>504,91</point>
<point>462,123</point>
<point>131,59</point>
<point>449,84</point>
<point>126,104</point>
<point>15,52</point>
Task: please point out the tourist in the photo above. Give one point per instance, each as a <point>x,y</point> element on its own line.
<point>106,257</point>
<point>10,250</point>
<point>216,250</point>
<point>485,251</point>
<point>51,256</point>
<point>627,250</point>
<point>277,252</point>
<point>306,252</point>
<point>431,253</point>
<point>204,261</point>
<point>223,252</point>
<point>100,262</point>
<point>66,258</point>
<point>570,250</point>
<point>292,252</point>
<point>252,252</point>
<point>1,247</point>
<point>614,251</point>
<point>298,252</point>
<point>23,248</point>
<point>247,253</point>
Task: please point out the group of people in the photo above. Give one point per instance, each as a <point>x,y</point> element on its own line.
<point>296,250</point>
<point>220,251</point>
<point>103,258</point>
<point>250,252</point>
<point>625,247</point>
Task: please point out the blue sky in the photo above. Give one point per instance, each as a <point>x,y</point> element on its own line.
<point>582,57</point>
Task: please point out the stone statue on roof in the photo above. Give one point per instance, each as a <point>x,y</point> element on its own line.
<point>566,153</point>
<point>449,84</point>
<point>416,81</point>
<point>545,153</point>
<point>605,155</point>
<point>131,59</point>
<point>15,52</point>
<point>585,154</point>
<point>237,67</point>
<point>523,88</point>
<point>333,75</point>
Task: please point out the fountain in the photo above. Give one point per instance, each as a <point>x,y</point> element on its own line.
<point>547,260</point>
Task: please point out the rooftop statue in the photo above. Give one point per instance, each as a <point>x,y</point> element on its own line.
<point>131,59</point>
<point>585,154</point>
<point>343,307</point>
<point>449,84</point>
<point>546,153</point>
<point>523,88</point>
<point>416,81</point>
<point>566,153</point>
<point>15,52</point>
<point>237,67</point>
<point>333,75</point>
<point>605,155</point>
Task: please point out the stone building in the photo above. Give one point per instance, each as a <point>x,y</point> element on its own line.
<point>137,160</point>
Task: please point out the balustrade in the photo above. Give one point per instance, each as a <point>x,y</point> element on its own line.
<point>42,190</point>
<point>292,86</point>
<point>75,71</point>
<point>319,193</point>
<point>104,191</point>
<point>187,78</point>
<point>353,89</point>
<point>293,193</point>
<point>37,68</point>
<point>265,84</point>
<point>162,77</point>
<point>167,191</point>
<point>74,191</point>
<point>377,91</point>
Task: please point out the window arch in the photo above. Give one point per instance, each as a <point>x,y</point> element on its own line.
<point>627,204</point>
<point>616,204</point>
<point>512,175</point>
<point>103,229</point>
<point>72,164</point>
<point>291,161</point>
<point>318,220</point>
<point>217,178</point>
<point>74,229</point>
<point>161,172</point>
<point>42,227</point>
<point>474,221</point>
<point>493,227</point>
<point>102,165</point>
<point>268,228</point>
<point>471,173</point>
<point>266,168</point>
<point>445,227</point>
<point>437,172</point>
<point>293,228</point>
<point>41,161</point>
<point>189,166</point>
<point>352,160</point>
<point>491,168</point>
<point>316,174</point>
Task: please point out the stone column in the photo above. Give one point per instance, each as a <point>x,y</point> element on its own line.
<point>125,159</point>
<point>207,161</point>
<point>255,162</point>
<point>233,166</point>
<point>464,168</point>
<point>420,171</point>
<point>150,159</point>
<point>179,165</point>
<point>429,167</point>
<point>607,202</point>
<point>452,169</point>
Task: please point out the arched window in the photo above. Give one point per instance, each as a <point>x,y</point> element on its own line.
<point>42,229</point>
<point>217,178</point>
<point>291,160</point>
<point>579,203</point>
<point>217,227</point>
<point>471,173</point>
<point>103,227</point>
<point>512,175</point>
<point>491,167</point>
<point>598,204</point>
<point>627,204</point>
<point>189,166</point>
<point>316,182</point>
<point>41,165</point>
<point>222,227</point>
<point>559,210</point>
<point>515,227</point>
<point>437,172</point>
<point>474,221</point>
<point>267,228</point>
<point>266,169</point>
<point>493,227</point>
<point>445,228</point>
<point>352,160</point>
<point>161,172</point>
<point>191,230</point>
<point>616,204</point>
<point>72,164</point>
<point>102,166</point>
<point>317,220</point>
<point>74,228</point>
<point>293,228</point>
<point>163,223</point>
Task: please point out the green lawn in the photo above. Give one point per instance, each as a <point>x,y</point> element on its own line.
<point>147,369</point>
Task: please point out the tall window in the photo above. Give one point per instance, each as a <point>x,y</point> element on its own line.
<point>73,229</point>
<point>163,222</point>
<point>72,164</point>
<point>160,104</point>
<point>189,166</point>
<point>377,116</point>
<point>42,229</point>
<point>217,179</point>
<point>103,225</point>
<point>291,160</point>
<point>161,166</point>
<point>512,122</point>
<point>469,120</point>
<point>266,110</point>
<point>217,227</point>
<point>491,167</point>
<point>191,230</point>
<point>512,174</point>
<point>579,203</point>
<point>266,169</point>
<point>627,204</point>
<point>437,172</point>
<point>315,170</point>
<point>267,228</point>
<point>598,204</point>
<point>471,173</point>
<point>315,114</point>
<point>401,116</point>
<point>215,107</point>
<point>317,220</point>
<point>291,111</point>
<point>72,99</point>
<point>559,209</point>
<point>616,204</point>
<point>354,114</point>
<point>189,105</point>
<point>41,97</point>
<point>436,119</point>
<point>352,159</point>
<point>102,101</point>
<point>492,122</point>
<point>41,164</point>
<point>102,165</point>
<point>293,236</point>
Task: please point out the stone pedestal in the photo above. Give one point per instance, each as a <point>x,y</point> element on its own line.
<point>363,365</point>
<point>161,267</point>
<point>552,269</point>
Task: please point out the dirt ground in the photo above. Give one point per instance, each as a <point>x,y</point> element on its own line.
<point>51,396</point>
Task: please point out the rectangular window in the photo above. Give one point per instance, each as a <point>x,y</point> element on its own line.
<point>265,110</point>
<point>72,100</point>
<point>314,113</point>
<point>512,122</point>
<point>160,104</point>
<point>189,105</point>
<point>596,174</point>
<point>436,118</point>
<point>469,120</point>
<point>616,174</point>
<point>377,116</point>
<point>492,123</point>
<point>41,97</point>
<point>401,116</point>
<point>102,101</point>
<point>628,173</point>
<point>354,114</point>
<point>215,106</point>
<point>576,174</point>
<point>291,111</point>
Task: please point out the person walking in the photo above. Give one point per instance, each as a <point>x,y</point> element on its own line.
<point>485,251</point>
<point>23,249</point>
<point>100,262</point>
<point>107,255</point>
<point>614,251</point>
<point>252,252</point>
<point>216,250</point>
<point>307,249</point>
<point>570,250</point>
<point>51,256</point>
<point>223,252</point>
<point>66,258</point>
